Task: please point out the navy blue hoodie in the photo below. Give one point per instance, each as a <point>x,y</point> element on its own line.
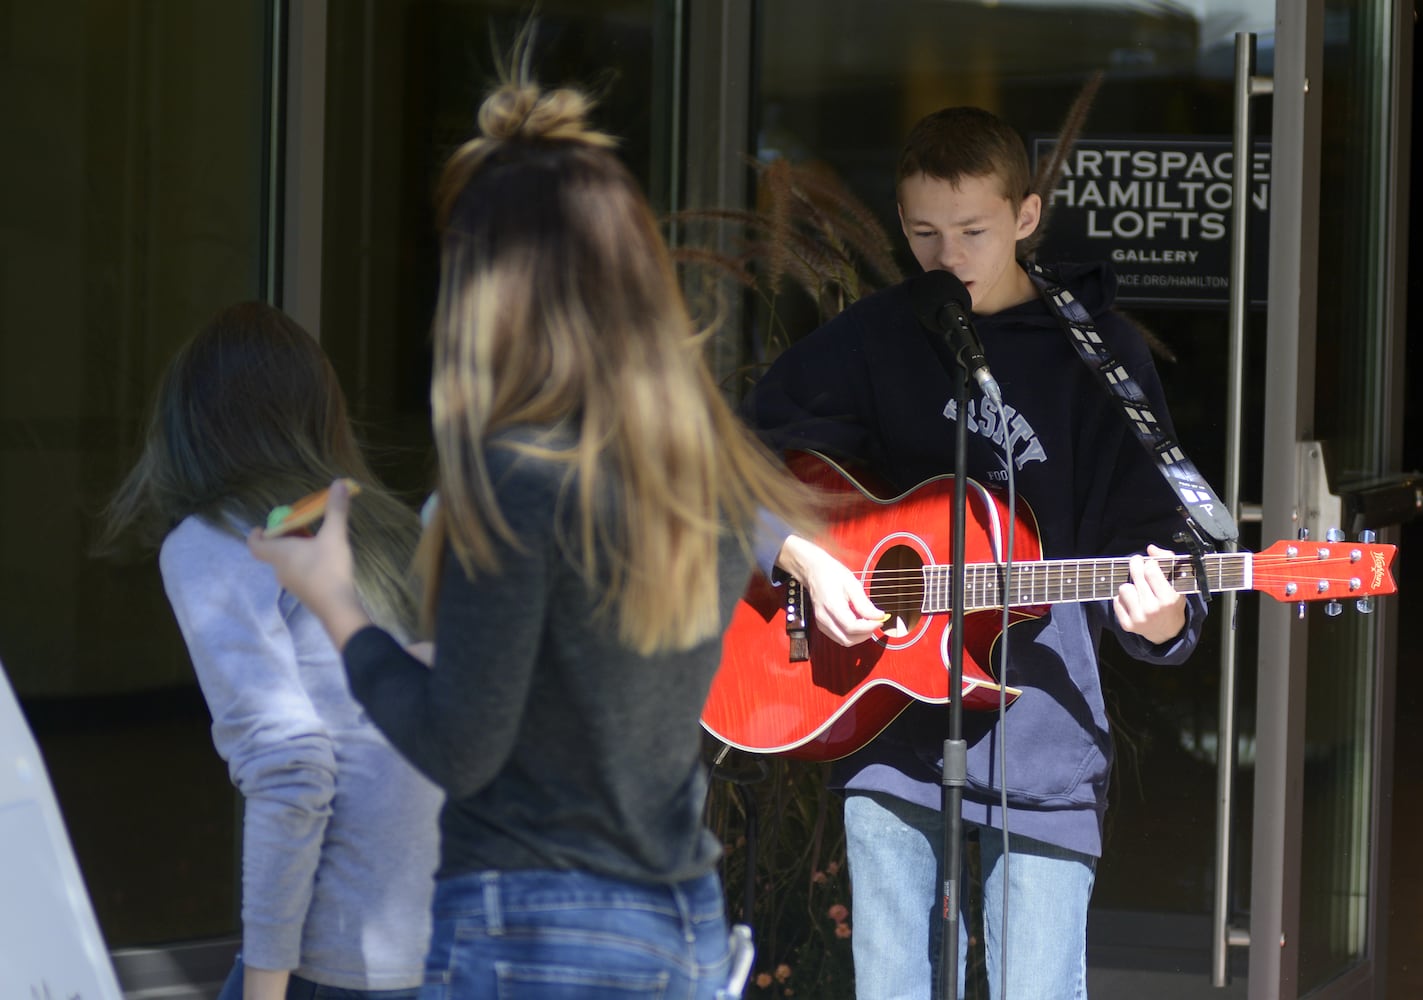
<point>868,388</point>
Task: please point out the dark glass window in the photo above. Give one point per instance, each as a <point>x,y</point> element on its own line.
<point>133,209</point>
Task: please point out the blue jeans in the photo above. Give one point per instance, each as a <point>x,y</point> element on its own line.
<point>894,849</point>
<point>543,935</point>
<point>304,989</point>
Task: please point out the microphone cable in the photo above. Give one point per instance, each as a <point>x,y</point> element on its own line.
<point>1007,581</point>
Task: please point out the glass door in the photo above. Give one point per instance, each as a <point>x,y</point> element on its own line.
<point>836,86</point>
<point>1333,405</point>
<point>1148,188</point>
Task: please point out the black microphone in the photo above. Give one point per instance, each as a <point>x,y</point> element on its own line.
<point>942,304</point>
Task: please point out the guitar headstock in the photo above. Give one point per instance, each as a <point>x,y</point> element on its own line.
<point>1331,570</point>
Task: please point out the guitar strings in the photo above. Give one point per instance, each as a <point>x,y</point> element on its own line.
<point>1227,572</point>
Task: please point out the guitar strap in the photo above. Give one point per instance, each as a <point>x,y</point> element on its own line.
<point>1202,508</point>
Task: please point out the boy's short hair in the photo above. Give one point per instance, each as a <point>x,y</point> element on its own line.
<point>953,143</point>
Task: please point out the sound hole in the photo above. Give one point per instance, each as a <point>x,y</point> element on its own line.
<point>896,585</point>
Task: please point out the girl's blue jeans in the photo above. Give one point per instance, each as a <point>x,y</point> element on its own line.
<point>547,935</point>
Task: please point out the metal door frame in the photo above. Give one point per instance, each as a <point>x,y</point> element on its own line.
<point>1289,420</point>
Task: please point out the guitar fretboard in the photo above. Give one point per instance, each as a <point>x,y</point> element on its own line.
<point>1074,580</point>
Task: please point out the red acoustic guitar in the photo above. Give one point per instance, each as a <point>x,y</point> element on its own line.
<point>818,700</point>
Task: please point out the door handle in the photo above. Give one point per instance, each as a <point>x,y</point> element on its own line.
<point>1247,85</point>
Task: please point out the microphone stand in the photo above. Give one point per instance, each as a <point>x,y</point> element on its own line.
<point>955,766</point>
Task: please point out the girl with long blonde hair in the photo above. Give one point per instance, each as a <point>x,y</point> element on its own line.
<point>598,505</point>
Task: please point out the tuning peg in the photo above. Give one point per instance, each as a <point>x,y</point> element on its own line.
<point>1333,609</point>
<point>1334,535</point>
<point>1367,536</point>
<point>1364,605</point>
<point>1301,610</point>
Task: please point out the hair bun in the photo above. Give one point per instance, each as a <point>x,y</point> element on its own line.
<point>523,112</point>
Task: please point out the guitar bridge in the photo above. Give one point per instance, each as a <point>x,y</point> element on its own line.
<point>797,618</point>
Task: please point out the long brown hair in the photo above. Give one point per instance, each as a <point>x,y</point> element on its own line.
<point>249,415</point>
<point>559,308</point>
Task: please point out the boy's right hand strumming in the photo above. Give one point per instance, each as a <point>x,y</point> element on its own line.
<point>842,609</point>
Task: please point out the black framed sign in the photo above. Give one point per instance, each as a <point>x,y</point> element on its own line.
<point>1160,211</point>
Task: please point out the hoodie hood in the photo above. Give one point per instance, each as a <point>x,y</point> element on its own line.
<point>1093,284</point>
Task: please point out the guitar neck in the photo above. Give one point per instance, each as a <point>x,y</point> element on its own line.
<point>1067,581</point>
